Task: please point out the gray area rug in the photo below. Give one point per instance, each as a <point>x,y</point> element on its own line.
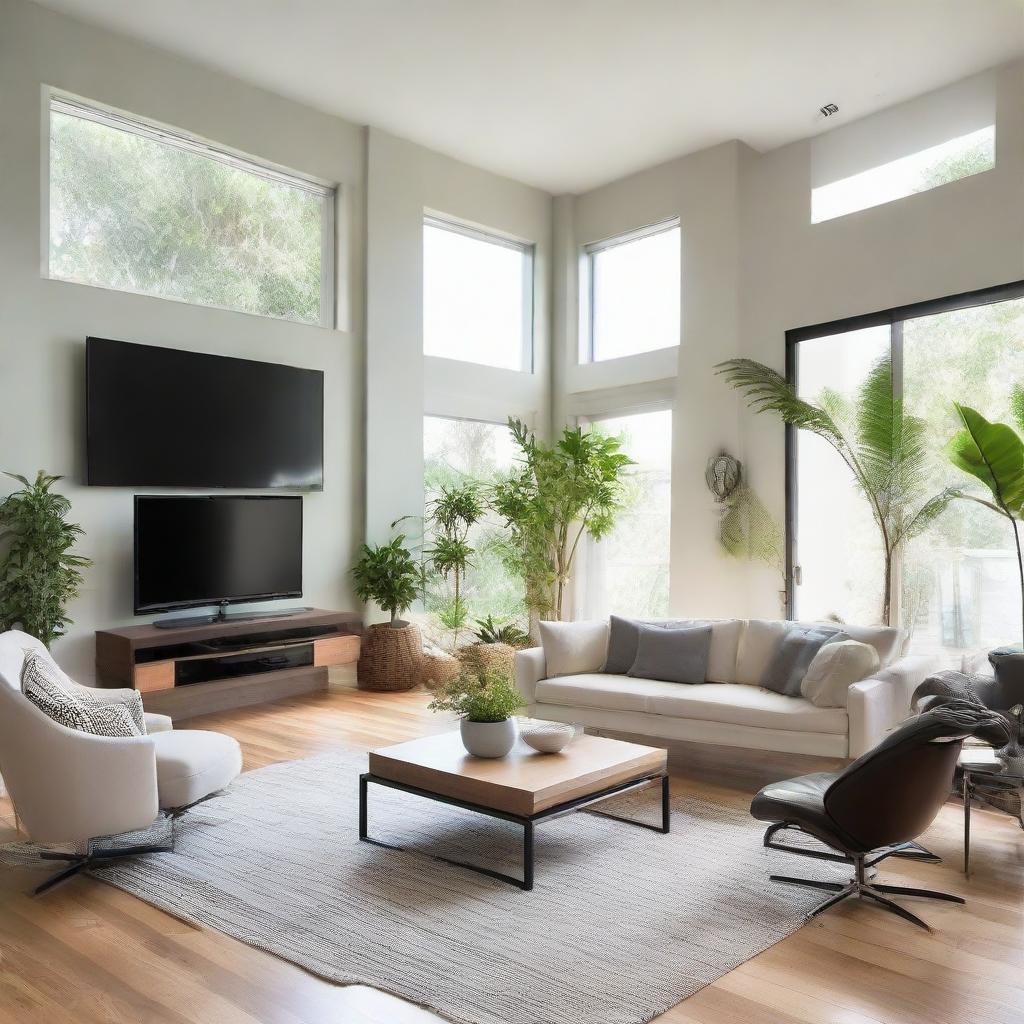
<point>622,923</point>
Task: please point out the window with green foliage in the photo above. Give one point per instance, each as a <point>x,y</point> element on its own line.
<point>455,452</point>
<point>146,209</point>
<point>956,587</point>
<point>627,572</point>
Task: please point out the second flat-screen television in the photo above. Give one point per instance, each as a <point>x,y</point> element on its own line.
<point>162,417</point>
<point>216,549</point>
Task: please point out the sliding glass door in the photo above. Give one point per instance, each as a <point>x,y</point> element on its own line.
<point>955,586</point>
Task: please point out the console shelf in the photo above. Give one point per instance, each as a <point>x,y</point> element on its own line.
<point>194,670</point>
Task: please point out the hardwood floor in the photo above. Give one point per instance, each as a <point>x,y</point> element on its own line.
<point>88,953</point>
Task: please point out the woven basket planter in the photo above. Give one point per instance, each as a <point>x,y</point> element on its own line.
<point>479,658</point>
<point>438,669</point>
<point>390,657</point>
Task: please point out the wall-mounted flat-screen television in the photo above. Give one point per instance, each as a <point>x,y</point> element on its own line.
<point>162,417</point>
<point>216,549</point>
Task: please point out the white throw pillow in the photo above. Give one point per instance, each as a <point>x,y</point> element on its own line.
<point>888,641</point>
<point>835,668</point>
<point>759,642</point>
<point>574,647</point>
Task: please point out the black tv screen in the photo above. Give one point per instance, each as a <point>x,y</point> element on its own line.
<point>161,417</point>
<point>193,551</point>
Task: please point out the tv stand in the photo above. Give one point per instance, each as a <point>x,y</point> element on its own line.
<point>197,668</point>
<point>223,615</point>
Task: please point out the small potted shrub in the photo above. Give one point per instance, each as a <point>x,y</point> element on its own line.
<point>485,703</point>
<point>391,651</point>
<point>495,646</point>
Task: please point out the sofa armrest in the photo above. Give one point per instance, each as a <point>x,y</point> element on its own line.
<point>877,705</point>
<point>530,669</point>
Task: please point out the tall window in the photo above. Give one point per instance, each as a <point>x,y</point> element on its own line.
<point>477,296</point>
<point>957,582</point>
<point>631,294</point>
<point>455,451</point>
<point>146,209</point>
<point>627,572</point>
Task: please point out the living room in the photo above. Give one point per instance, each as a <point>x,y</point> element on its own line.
<point>444,430</point>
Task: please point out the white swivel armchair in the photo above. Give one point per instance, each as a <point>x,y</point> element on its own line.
<point>71,787</point>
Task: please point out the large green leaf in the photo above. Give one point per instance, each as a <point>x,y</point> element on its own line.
<point>994,454</point>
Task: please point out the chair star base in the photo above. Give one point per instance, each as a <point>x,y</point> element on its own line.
<point>866,888</point>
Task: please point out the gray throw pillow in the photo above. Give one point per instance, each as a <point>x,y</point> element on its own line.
<point>672,655</point>
<point>794,654</point>
<point>623,636</point>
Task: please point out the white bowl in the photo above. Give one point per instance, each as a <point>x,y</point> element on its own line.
<point>548,737</point>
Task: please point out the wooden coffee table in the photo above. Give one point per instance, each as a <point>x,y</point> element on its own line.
<point>525,787</point>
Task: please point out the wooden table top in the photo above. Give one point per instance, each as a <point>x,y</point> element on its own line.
<point>525,782</point>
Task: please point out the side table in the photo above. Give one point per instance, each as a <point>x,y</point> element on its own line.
<point>982,777</point>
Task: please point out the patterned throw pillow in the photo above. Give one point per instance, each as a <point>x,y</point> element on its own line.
<point>100,712</point>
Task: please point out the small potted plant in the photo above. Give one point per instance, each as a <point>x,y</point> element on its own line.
<point>495,646</point>
<point>485,703</point>
<point>391,651</point>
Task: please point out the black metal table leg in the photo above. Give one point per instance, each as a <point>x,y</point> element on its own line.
<point>527,855</point>
<point>666,810</point>
<point>362,807</point>
<point>967,822</point>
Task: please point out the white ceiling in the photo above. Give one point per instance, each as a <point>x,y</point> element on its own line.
<point>567,94</point>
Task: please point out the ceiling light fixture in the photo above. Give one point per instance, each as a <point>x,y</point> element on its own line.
<point>829,109</point>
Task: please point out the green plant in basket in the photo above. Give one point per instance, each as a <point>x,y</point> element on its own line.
<point>488,631</point>
<point>487,697</point>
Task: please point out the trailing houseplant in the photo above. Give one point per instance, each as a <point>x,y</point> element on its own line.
<point>564,490</point>
<point>40,575</point>
<point>883,447</point>
<point>746,529</point>
<point>485,703</point>
<point>389,575</point>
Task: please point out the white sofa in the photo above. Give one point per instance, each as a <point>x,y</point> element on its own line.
<point>731,709</point>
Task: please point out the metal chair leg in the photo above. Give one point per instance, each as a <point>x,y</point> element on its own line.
<point>895,908</point>
<point>928,894</point>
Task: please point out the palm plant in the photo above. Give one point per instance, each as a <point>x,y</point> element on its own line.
<point>39,575</point>
<point>883,447</point>
<point>994,454</point>
<point>489,631</point>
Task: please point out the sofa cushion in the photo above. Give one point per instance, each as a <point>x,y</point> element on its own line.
<point>835,668</point>
<point>674,655</point>
<point>760,640</point>
<point>725,703</point>
<point>725,639</point>
<point>888,641</point>
<point>572,647</point>
<point>794,654</point>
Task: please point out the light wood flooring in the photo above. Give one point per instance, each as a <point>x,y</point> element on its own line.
<point>89,953</point>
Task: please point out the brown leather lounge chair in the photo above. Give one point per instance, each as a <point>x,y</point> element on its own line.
<point>876,807</point>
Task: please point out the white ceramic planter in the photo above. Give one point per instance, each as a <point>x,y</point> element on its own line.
<point>488,739</point>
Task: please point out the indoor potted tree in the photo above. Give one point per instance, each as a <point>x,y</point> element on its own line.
<point>390,656</point>
<point>485,704</point>
<point>563,491</point>
<point>39,574</point>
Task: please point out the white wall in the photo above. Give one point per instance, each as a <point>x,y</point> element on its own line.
<point>753,266</point>
<point>961,236</point>
<point>405,182</point>
<point>43,323</point>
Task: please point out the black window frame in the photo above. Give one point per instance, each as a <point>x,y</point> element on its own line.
<point>894,318</point>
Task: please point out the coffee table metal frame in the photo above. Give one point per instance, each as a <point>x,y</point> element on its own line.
<point>583,803</point>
